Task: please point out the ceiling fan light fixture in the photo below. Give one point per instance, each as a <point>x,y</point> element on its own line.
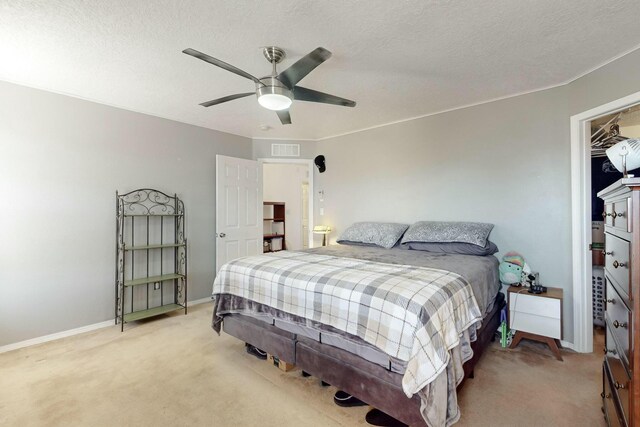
<point>274,98</point>
<point>275,92</point>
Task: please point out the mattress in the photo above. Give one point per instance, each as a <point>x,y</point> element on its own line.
<point>480,271</point>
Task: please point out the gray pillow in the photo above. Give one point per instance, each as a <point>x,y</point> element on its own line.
<point>384,234</point>
<point>348,242</point>
<point>453,248</point>
<point>476,233</point>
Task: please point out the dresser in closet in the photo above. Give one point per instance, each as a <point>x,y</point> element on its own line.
<point>621,366</point>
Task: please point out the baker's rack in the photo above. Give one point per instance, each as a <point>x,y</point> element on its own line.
<point>151,255</point>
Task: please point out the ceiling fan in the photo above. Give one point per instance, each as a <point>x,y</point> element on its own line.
<point>277,91</point>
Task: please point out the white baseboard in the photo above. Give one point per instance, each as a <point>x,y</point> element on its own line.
<point>567,344</point>
<point>200,301</point>
<point>57,335</point>
<point>76,331</point>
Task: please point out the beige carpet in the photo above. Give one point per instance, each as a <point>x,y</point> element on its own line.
<point>174,371</point>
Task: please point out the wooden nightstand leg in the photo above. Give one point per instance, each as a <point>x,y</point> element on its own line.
<point>516,339</point>
<point>554,348</point>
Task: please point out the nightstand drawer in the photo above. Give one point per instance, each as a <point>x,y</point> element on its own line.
<point>534,304</point>
<point>535,324</point>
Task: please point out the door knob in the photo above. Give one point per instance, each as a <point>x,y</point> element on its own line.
<point>221,235</point>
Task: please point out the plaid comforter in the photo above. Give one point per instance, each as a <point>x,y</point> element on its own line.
<point>415,314</point>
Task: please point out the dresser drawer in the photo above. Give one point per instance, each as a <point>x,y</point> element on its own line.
<point>619,373</point>
<point>608,400</point>
<point>616,262</point>
<point>607,215</point>
<point>622,214</point>
<point>540,306</point>
<point>613,353</point>
<point>618,319</point>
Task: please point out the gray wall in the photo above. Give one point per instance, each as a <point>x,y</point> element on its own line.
<point>262,148</point>
<point>505,162</point>
<point>62,160</point>
<point>496,163</point>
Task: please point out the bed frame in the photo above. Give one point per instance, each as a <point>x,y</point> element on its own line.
<point>367,381</point>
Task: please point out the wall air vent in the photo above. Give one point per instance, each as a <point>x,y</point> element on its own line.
<point>285,150</point>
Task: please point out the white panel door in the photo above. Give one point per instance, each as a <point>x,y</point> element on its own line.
<point>305,216</point>
<point>238,208</point>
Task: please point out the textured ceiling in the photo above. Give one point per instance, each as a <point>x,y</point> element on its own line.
<point>397,59</point>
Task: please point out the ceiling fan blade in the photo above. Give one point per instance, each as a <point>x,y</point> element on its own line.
<point>221,64</point>
<point>226,98</point>
<point>292,75</point>
<point>310,95</point>
<point>284,116</point>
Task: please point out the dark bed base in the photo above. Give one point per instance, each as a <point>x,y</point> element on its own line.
<point>367,381</point>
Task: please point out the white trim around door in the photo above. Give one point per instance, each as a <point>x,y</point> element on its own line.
<point>309,163</point>
<point>581,217</point>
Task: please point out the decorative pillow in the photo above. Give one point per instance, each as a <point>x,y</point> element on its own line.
<point>453,248</point>
<point>476,233</point>
<point>384,234</point>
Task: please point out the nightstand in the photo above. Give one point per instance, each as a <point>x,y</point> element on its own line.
<point>536,316</point>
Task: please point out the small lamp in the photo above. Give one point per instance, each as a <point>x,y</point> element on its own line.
<point>625,156</point>
<point>324,230</point>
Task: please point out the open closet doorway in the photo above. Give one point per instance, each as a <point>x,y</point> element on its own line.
<point>606,131</point>
<point>592,132</point>
<point>290,181</point>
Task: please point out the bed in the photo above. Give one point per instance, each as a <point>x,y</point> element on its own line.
<point>298,306</point>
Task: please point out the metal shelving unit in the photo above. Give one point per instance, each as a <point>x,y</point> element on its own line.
<point>274,219</point>
<point>151,255</point>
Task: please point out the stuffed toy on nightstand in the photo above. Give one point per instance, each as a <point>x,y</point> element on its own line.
<point>513,268</point>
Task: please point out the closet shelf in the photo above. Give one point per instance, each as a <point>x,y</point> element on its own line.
<point>273,238</point>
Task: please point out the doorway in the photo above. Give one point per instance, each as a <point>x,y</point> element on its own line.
<point>581,207</point>
<point>290,181</point>
<point>606,131</point>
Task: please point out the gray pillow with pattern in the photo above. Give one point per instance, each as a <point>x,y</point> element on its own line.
<point>385,234</point>
<point>452,248</point>
<point>476,233</point>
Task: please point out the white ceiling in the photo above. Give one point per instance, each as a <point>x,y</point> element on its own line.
<point>397,59</point>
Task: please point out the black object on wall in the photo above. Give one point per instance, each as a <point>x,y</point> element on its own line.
<point>319,161</point>
<point>603,174</point>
